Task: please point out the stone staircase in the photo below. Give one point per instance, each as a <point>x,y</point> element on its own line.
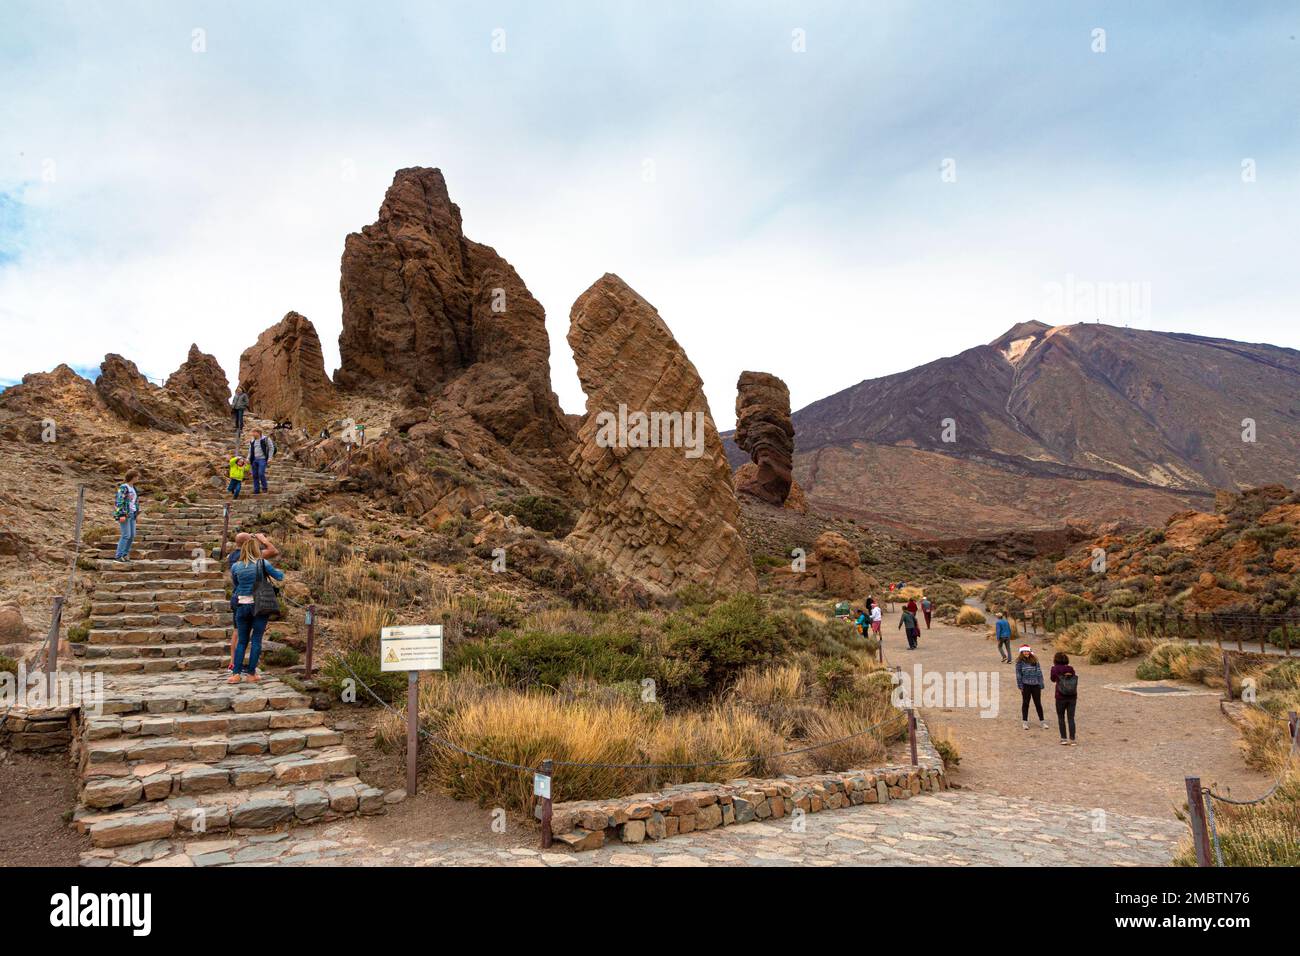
<point>177,753</point>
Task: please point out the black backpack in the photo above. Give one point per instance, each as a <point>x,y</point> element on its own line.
<point>1068,685</point>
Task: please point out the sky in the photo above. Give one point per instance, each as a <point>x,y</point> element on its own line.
<point>826,191</point>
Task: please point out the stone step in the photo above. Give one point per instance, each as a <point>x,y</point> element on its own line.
<point>166,597</point>
<point>146,565</point>
<point>154,619</point>
<point>156,635</point>
<point>156,665</point>
<point>184,724</point>
<point>215,603</point>
<point>198,694</point>
<point>239,811</point>
<point>279,757</point>
<point>121,652</point>
<point>194,580</point>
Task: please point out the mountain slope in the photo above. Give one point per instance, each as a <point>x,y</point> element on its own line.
<point>1036,418</point>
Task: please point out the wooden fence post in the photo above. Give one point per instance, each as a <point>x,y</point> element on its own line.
<point>52,648</point>
<point>1227,676</point>
<point>548,767</point>
<point>311,638</point>
<point>911,733</point>
<point>412,728</point>
<point>1196,816</point>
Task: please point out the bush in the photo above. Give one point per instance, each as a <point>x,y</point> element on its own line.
<point>734,634</point>
<point>542,513</point>
<point>8,665</point>
<point>970,617</point>
<point>335,678</point>
<point>944,592</point>
<point>78,633</point>
<point>534,658</point>
<point>280,657</point>
<point>1175,660</point>
<point>1102,643</point>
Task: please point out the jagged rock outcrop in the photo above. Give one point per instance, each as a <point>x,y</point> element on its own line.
<point>284,373</point>
<point>763,429</point>
<point>137,400</point>
<point>449,323</point>
<point>201,382</point>
<point>661,508</point>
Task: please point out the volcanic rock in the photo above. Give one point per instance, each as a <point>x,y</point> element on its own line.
<point>284,373</point>
<point>449,323</point>
<point>661,508</point>
<point>836,564</point>
<point>137,400</point>
<point>763,429</point>
<point>201,382</point>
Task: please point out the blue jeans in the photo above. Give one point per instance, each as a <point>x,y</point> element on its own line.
<point>250,630</point>
<point>259,474</point>
<point>234,486</point>
<point>239,419</point>
<point>127,536</point>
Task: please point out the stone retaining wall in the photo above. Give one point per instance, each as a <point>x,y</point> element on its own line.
<point>685,808</point>
<point>47,728</point>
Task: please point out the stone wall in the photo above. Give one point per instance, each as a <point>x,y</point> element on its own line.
<point>44,729</point>
<point>685,808</point>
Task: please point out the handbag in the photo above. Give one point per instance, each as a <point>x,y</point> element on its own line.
<point>266,596</point>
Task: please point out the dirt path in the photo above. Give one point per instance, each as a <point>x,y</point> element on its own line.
<point>36,791</point>
<point>1133,751</point>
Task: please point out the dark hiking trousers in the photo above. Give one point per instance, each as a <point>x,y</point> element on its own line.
<point>1065,709</point>
<point>1031,692</point>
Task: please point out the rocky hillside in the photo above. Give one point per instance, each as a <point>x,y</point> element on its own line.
<point>1243,557</point>
<point>1046,426</point>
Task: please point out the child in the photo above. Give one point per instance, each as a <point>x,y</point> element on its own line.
<point>1067,695</point>
<point>238,472</point>
<point>1029,679</point>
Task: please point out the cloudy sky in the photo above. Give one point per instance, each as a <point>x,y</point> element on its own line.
<point>827,191</point>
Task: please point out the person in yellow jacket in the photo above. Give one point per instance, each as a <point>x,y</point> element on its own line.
<point>238,472</point>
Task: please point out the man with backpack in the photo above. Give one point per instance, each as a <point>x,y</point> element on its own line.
<point>1067,695</point>
<point>260,452</point>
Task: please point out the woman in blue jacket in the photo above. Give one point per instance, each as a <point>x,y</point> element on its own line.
<point>245,573</point>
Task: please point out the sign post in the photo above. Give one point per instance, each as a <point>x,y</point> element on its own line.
<point>412,649</point>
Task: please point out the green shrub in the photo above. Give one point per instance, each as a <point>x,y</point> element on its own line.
<point>542,513</point>
<point>8,664</point>
<point>78,633</point>
<point>733,635</point>
<point>546,658</point>
<point>281,657</point>
<point>387,686</point>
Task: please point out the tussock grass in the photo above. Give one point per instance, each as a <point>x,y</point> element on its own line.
<point>1266,834</point>
<point>1100,642</point>
<point>969,616</point>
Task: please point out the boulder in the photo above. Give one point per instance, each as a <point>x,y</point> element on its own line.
<point>201,382</point>
<point>661,509</point>
<point>134,398</point>
<point>764,430</point>
<point>13,628</point>
<point>284,374</point>
<point>836,564</point>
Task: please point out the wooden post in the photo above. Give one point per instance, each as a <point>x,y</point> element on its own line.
<point>1196,817</point>
<point>911,733</point>
<point>547,807</point>
<point>412,728</point>
<point>225,531</point>
<point>1293,721</point>
<point>1227,677</point>
<point>52,648</point>
<point>311,637</point>
<point>1263,638</point>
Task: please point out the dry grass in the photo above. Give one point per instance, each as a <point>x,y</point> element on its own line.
<point>829,727</point>
<point>1267,834</point>
<point>970,617</point>
<point>771,685</point>
<point>361,623</point>
<point>946,743</point>
<point>1100,642</point>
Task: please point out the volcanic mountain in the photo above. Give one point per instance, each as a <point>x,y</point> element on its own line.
<point>1054,425</point>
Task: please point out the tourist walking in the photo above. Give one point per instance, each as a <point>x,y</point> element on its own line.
<point>908,622</point>
<point>238,406</point>
<point>1002,631</point>
<point>269,552</point>
<point>126,508</point>
<point>260,452</point>
<point>1029,680</point>
<point>1067,695</point>
<point>927,606</point>
<point>248,572</point>
<point>875,620</point>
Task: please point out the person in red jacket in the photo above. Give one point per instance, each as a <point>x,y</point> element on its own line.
<point>1065,679</point>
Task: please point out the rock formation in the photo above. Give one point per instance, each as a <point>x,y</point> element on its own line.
<point>661,508</point>
<point>448,322</point>
<point>137,400</point>
<point>763,429</point>
<point>201,382</point>
<point>836,564</point>
<point>284,373</point>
